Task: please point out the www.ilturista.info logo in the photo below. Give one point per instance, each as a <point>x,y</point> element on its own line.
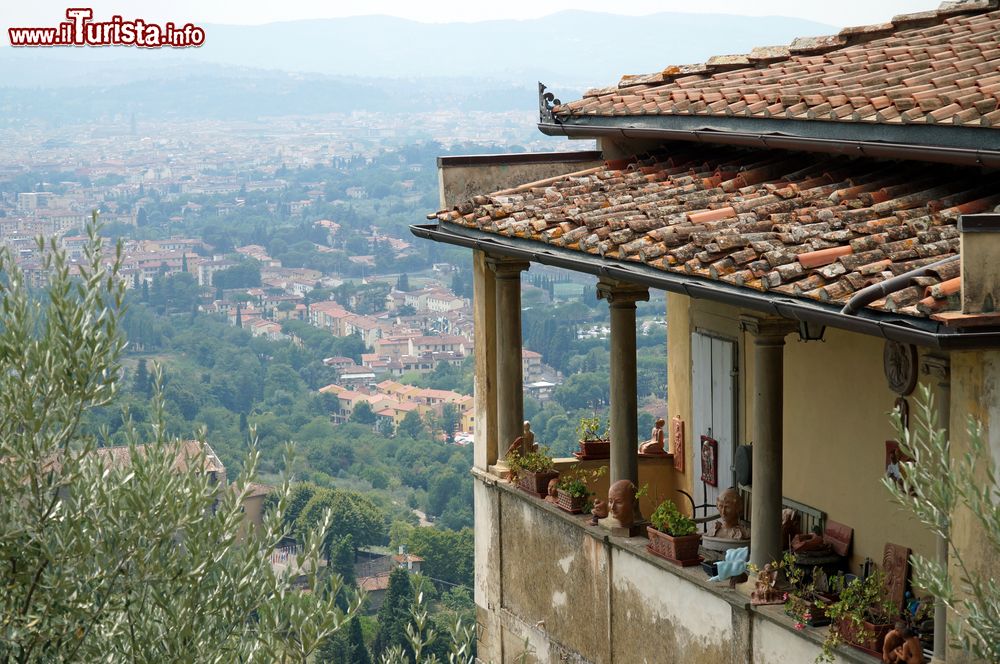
<point>81,30</point>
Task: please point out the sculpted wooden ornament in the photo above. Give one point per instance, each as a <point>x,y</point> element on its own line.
<point>677,442</point>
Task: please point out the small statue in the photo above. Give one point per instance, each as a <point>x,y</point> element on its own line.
<point>621,504</point>
<point>598,511</point>
<point>654,446</point>
<point>525,440</point>
<point>730,506</point>
<point>765,591</point>
<point>902,646</point>
<point>553,493</point>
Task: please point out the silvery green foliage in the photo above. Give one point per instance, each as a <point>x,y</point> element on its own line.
<point>421,636</point>
<point>934,486</point>
<point>140,561</point>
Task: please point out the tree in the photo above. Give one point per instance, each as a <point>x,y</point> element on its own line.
<point>934,487</point>
<point>394,614</point>
<point>412,425</point>
<point>403,283</point>
<point>91,542</point>
<point>363,413</point>
<point>141,385</point>
<point>451,417</point>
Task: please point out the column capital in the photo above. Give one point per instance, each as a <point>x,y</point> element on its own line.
<point>937,367</point>
<point>621,293</point>
<point>770,329</point>
<point>506,268</point>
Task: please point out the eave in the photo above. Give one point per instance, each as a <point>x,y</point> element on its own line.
<point>963,146</point>
<point>922,332</point>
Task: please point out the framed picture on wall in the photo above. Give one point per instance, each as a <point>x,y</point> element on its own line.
<point>709,461</point>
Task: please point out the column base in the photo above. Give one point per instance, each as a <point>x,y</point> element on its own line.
<point>618,530</point>
<point>501,470</point>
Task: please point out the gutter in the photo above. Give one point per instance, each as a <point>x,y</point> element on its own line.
<point>869,294</point>
<point>873,323</point>
<point>959,156</point>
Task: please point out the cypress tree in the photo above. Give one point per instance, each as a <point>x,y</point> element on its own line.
<point>394,614</point>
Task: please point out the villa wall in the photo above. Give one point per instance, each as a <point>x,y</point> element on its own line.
<point>550,588</point>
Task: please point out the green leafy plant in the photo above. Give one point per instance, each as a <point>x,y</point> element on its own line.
<point>588,429</point>
<point>668,519</point>
<point>860,601</point>
<point>936,486</point>
<point>128,555</point>
<point>538,461</point>
<point>576,481</point>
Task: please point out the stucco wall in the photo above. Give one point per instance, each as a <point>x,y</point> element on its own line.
<point>836,405</point>
<point>457,184</point>
<point>549,588</point>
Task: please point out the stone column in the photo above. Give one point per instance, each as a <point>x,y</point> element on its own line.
<point>484,312</point>
<point>768,376</point>
<point>938,369</point>
<point>509,376</point>
<point>621,298</point>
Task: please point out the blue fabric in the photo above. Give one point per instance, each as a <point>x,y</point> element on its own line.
<point>734,564</point>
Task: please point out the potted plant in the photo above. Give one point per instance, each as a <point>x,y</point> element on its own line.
<point>673,536</point>
<point>532,471</point>
<point>573,491</point>
<point>861,616</point>
<point>805,601</point>
<point>593,443</point>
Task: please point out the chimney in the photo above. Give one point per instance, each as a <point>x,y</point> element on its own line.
<point>980,236</point>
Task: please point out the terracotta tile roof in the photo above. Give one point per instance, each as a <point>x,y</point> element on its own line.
<point>800,225</point>
<point>937,67</point>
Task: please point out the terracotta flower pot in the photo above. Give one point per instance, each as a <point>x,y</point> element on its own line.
<point>536,483</point>
<point>594,449</point>
<point>681,550</point>
<point>572,504</point>
<point>869,640</point>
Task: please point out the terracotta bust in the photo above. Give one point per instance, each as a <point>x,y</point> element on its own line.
<point>655,443</point>
<point>553,493</point>
<point>621,501</point>
<point>730,506</point>
<point>527,439</point>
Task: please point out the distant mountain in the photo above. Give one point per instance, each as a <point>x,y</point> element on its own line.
<point>571,48</point>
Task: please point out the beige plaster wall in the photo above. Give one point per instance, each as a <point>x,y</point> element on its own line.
<point>457,184</point>
<point>835,421</point>
<point>975,392</point>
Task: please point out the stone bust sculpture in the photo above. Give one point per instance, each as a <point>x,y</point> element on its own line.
<point>655,443</point>
<point>553,492</point>
<point>621,501</point>
<point>730,506</point>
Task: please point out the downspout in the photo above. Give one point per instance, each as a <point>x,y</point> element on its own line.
<point>867,295</point>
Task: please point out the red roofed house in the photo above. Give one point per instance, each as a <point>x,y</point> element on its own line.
<point>841,189</point>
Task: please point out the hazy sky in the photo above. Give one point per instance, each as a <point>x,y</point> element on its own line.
<point>49,12</point>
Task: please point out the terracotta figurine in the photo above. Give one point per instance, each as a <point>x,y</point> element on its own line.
<point>598,511</point>
<point>553,493</point>
<point>527,439</point>
<point>902,646</point>
<point>621,502</point>
<point>809,543</point>
<point>764,589</point>
<point>655,443</point>
<point>730,506</point>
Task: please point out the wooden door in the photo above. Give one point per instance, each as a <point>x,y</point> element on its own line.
<point>713,401</point>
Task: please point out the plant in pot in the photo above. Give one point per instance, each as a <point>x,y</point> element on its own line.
<point>805,600</point>
<point>573,491</point>
<point>532,471</point>
<point>593,443</point>
<point>673,536</point>
<point>861,616</point>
